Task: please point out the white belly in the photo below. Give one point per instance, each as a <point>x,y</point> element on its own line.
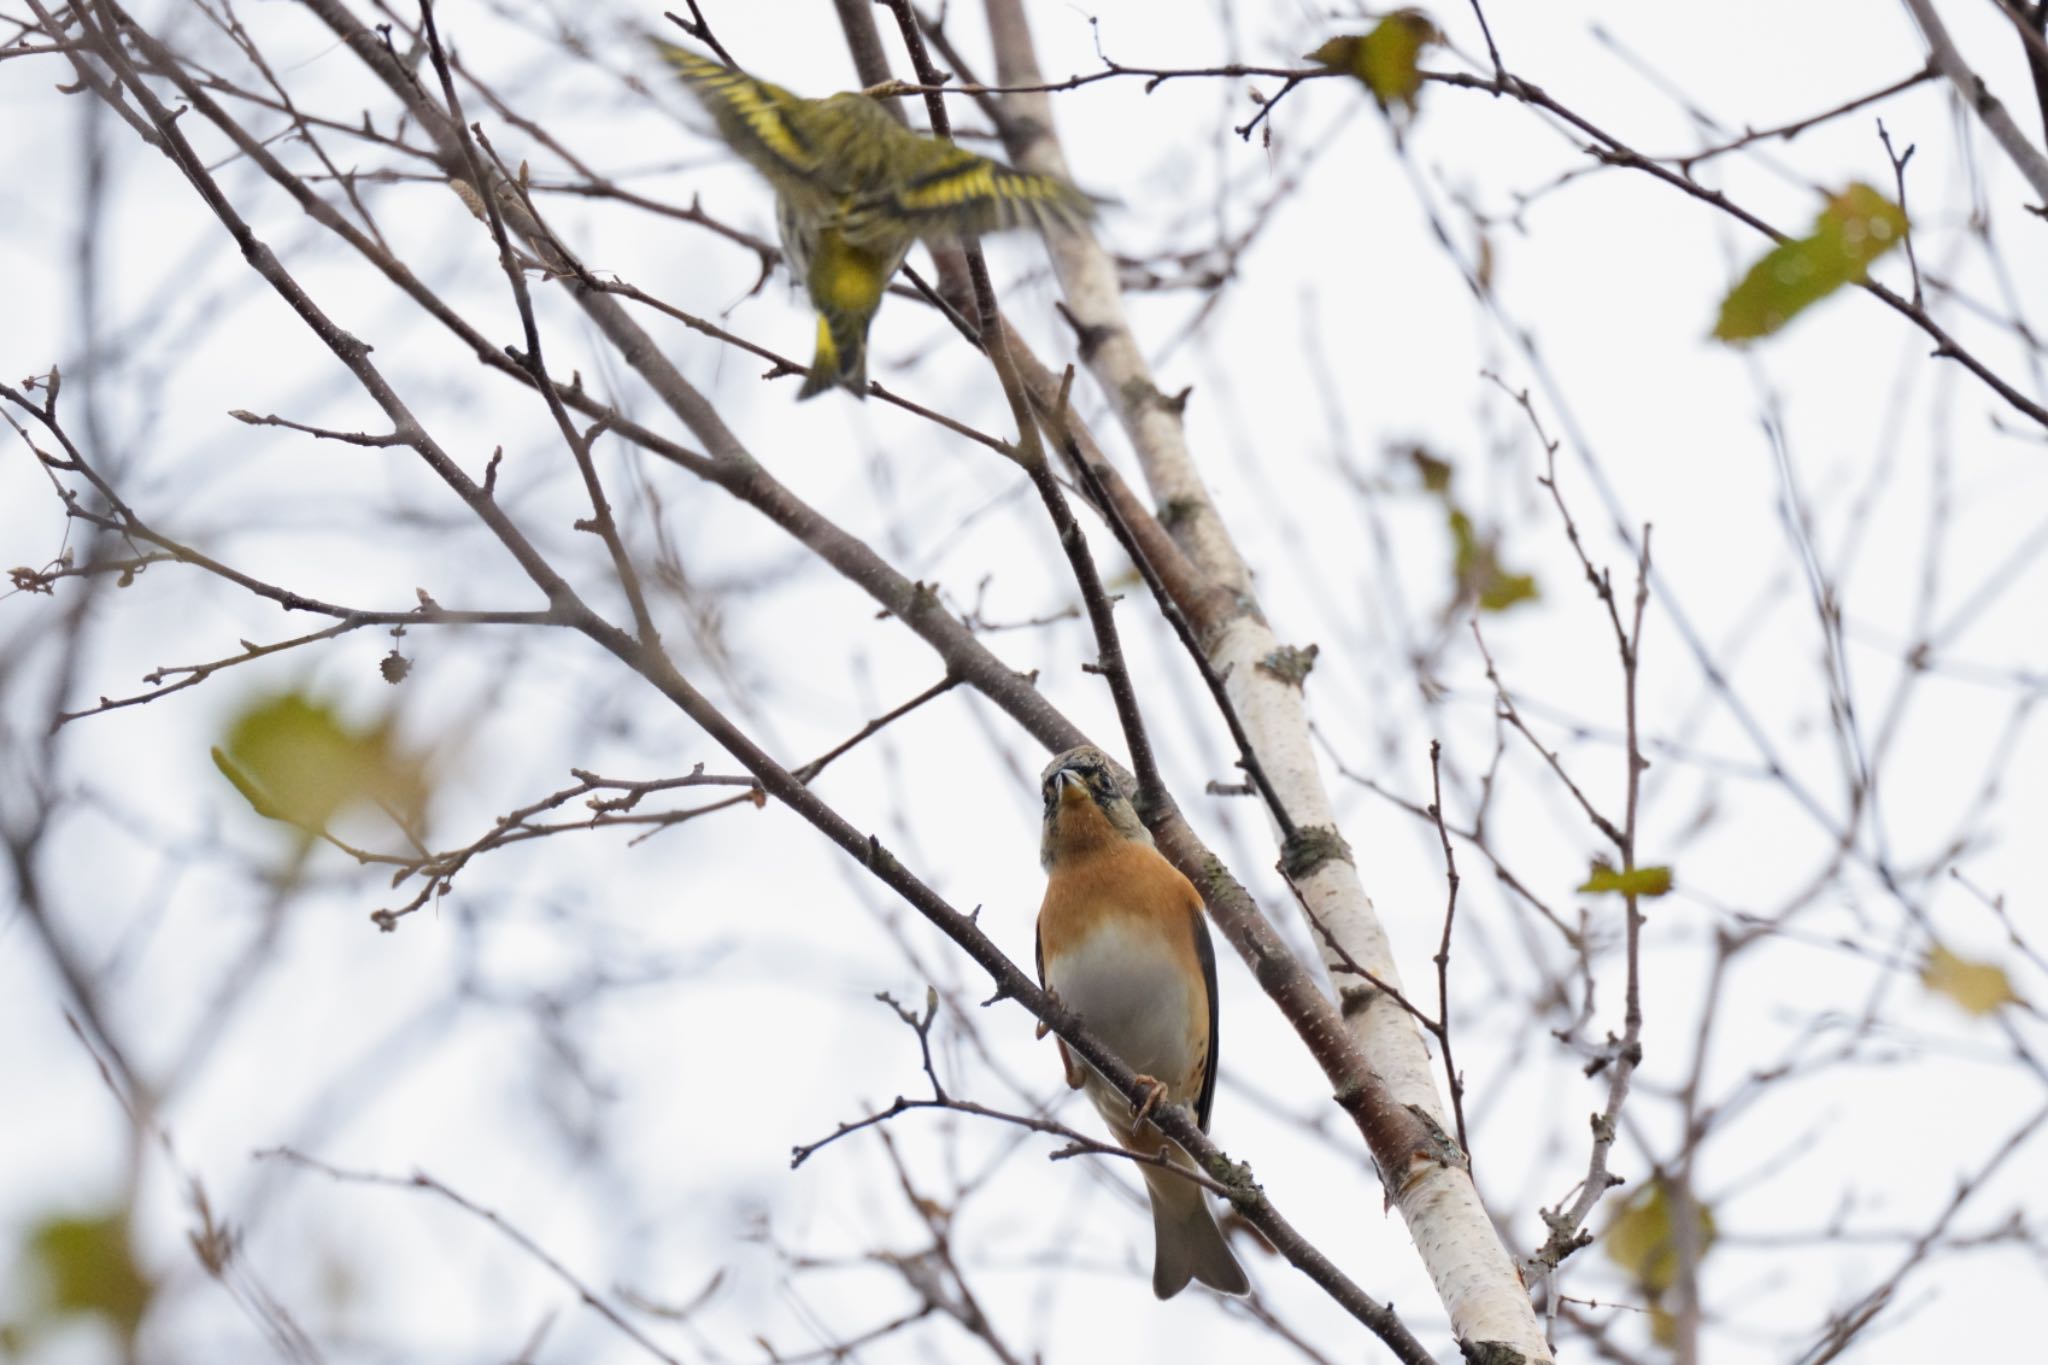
<point>1135,996</point>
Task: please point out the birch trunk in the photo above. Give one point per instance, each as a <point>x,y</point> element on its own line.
<point>1425,1173</point>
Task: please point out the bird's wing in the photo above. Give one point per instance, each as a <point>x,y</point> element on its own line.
<point>759,120</point>
<point>1074,1076</point>
<point>954,193</point>
<point>1206,951</point>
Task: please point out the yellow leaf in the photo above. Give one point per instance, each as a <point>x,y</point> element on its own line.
<point>85,1266</point>
<point>1637,881</point>
<point>1480,576</point>
<point>1857,226</point>
<point>295,759</point>
<point>1503,590</point>
<point>1387,59</point>
<point>1979,987</point>
<point>1639,1238</point>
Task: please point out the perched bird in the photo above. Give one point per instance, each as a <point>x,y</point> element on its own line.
<point>854,189</point>
<point>1122,942</point>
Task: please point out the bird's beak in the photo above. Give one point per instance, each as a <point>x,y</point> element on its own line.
<point>1071,785</point>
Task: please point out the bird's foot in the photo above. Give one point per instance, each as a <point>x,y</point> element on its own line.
<point>1155,1091</point>
<point>1052,997</point>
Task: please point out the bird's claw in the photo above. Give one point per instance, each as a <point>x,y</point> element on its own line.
<point>1052,997</point>
<point>1155,1091</point>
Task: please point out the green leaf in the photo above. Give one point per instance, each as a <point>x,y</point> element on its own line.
<point>295,760</point>
<point>1435,472</point>
<point>1505,590</point>
<point>85,1266</point>
<point>1637,881</point>
<point>1980,988</point>
<point>1857,226</point>
<point>245,783</point>
<point>1639,1238</point>
<point>1481,578</point>
<point>1387,59</point>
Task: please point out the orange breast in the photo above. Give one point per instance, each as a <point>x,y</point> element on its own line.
<point>1117,938</point>
<point>1122,880</point>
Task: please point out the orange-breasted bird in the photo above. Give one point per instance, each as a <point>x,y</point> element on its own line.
<point>1122,942</point>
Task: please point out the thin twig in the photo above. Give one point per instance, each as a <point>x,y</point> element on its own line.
<point>420,1180</point>
<point>1091,476</point>
<point>1443,950</point>
<point>1899,160</point>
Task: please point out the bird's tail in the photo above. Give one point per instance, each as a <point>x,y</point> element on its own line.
<point>1188,1243</point>
<point>846,282</point>
<point>841,358</point>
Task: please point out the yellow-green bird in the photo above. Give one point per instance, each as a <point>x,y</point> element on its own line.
<point>854,189</point>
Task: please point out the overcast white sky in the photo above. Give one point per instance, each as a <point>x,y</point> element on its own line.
<point>615,1045</point>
